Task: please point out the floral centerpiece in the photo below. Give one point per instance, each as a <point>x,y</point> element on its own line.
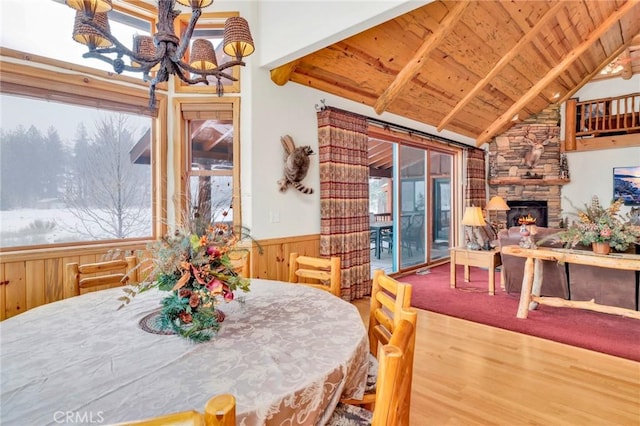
<point>197,271</point>
<point>596,224</point>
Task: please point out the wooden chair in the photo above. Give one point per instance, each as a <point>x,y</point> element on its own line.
<point>395,370</point>
<point>241,262</point>
<point>388,298</point>
<point>219,411</point>
<point>99,275</point>
<point>316,272</point>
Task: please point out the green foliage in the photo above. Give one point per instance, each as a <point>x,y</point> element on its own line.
<point>196,271</point>
<point>596,224</point>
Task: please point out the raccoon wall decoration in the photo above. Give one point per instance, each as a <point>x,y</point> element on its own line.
<point>296,165</point>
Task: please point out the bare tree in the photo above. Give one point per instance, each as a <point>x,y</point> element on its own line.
<point>112,196</point>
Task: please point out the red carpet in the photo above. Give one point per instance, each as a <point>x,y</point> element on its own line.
<point>610,334</point>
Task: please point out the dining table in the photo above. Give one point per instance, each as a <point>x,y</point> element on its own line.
<point>287,352</point>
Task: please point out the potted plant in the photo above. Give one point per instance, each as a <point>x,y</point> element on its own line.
<point>602,228</point>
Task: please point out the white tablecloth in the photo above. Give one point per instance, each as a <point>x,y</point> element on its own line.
<point>288,353</point>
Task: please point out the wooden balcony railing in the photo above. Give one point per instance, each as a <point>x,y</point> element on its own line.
<point>604,117</point>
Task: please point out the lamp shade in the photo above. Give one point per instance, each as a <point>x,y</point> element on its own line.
<point>238,42</point>
<point>90,7</point>
<point>473,217</point>
<point>196,4</point>
<point>144,47</point>
<point>83,33</point>
<point>497,203</point>
<point>203,56</point>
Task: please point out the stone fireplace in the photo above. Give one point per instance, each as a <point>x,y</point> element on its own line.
<point>535,189</point>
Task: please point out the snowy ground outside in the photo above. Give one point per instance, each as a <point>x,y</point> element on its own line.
<point>23,227</point>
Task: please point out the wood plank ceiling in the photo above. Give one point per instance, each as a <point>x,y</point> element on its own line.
<point>474,67</point>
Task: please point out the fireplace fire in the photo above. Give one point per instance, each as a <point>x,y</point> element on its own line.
<point>523,208</point>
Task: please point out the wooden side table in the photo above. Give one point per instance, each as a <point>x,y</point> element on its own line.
<point>489,259</point>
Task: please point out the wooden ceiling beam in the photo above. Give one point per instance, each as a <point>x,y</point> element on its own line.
<point>282,74</point>
<point>625,60</point>
<point>503,62</point>
<point>535,90</point>
<point>418,60</point>
<point>587,78</point>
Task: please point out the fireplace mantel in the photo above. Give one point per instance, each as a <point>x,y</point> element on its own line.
<point>527,182</point>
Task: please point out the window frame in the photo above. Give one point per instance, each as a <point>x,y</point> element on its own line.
<point>50,79</point>
<point>181,159</point>
<point>212,20</point>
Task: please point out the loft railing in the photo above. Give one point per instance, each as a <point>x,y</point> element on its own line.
<point>618,115</point>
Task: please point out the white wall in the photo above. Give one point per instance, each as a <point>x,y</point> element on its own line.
<point>291,109</point>
<point>295,28</point>
<point>591,172</point>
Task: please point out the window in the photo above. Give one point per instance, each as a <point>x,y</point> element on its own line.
<point>210,26</point>
<point>211,158</point>
<point>81,155</point>
<point>70,173</point>
<point>45,27</point>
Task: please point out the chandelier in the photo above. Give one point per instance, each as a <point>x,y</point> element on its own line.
<point>163,53</point>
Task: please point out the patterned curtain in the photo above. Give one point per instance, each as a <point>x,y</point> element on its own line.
<point>475,194</point>
<point>344,197</point>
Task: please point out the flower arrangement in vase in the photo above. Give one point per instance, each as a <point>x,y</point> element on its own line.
<point>196,270</point>
<point>598,225</point>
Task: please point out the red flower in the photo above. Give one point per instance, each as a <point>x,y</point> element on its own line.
<point>227,293</point>
<point>213,251</point>
<point>215,286</point>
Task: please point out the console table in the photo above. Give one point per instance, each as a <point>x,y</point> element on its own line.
<point>532,279</point>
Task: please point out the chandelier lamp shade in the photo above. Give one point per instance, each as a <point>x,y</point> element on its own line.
<point>164,52</point>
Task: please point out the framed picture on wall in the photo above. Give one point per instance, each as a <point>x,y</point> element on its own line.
<point>626,185</point>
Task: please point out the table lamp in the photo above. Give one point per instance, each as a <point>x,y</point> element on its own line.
<point>473,218</point>
<point>498,204</point>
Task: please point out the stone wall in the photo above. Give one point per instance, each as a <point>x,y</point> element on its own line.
<point>513,179</point>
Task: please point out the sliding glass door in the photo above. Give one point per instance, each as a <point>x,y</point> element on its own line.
<point>410,204</point>
<point>412,167</point>
<point>440,167</point>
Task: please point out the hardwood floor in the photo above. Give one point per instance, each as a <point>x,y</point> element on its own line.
<point>471,374</point>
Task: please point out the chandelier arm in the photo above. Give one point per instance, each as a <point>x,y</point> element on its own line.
<point>184,42</point>
<point>119,47</point>
<point>217,72</point>
<point>145,64</point>
<point>187,80</point>
<point>98,54</point>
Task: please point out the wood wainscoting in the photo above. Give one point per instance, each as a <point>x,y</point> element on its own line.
<point>270,257</point>
<point>32,278</point>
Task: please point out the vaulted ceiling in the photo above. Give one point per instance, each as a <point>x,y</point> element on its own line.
<point>475,67</point>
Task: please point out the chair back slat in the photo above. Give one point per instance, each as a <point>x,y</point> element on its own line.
<point>388,296</point>
<point>395,371</point>
<point>219,411</point>
<point>323,273</point>
<point>99,275</point>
